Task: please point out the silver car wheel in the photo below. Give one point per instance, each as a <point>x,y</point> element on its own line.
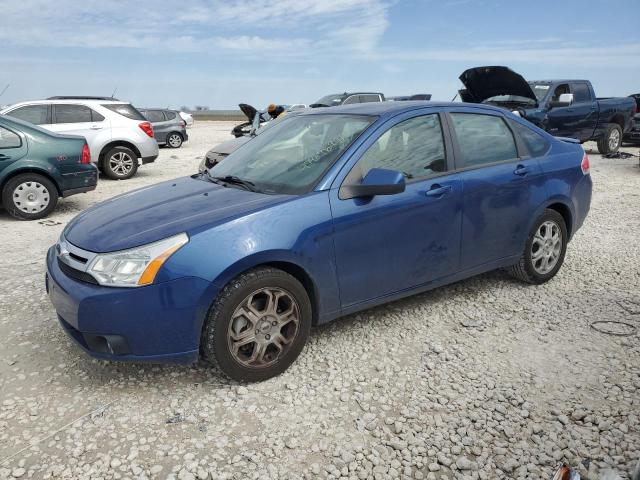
<point>546,247</point>
<point>614,139</point>
<point>121,164</point>
<point>31,197</point>
<point>174,140</point>
<point>263,327</point>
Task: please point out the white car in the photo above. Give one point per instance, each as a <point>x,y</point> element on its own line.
<point>118,135</point>
<point>188,118</point>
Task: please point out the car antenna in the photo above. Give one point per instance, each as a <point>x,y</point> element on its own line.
<point>113,95</point>
<point>454,97</point>
<point>5,89</point>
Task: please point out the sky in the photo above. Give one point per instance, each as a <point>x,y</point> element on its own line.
<point>220,53</point>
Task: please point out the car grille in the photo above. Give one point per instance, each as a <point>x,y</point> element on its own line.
<point>76,274</point>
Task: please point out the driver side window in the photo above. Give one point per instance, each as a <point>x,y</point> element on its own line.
<point>560,90</point>
<point>414,147</point>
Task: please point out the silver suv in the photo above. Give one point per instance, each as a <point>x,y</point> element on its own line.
<point>118,135</point>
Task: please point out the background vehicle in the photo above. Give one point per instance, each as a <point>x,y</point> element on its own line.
<point>188,118</point>
<point>38,166</point>
<point>564,108</point>
<point>297,106</point>
<point>168,126</point>
<point>345,98</point>
<point>323,214</point>
<point>118,135</point>
<point>633,135</point>
<point>406,98</point>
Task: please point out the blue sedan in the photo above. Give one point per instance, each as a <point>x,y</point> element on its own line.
<point>327,213</point>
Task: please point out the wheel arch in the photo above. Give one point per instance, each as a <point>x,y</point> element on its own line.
<point>117,143</point>
<point>618,119</point>
<point>561,205</point>
<point>36,170</point>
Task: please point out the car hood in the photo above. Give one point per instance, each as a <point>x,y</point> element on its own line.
<point>248,110</point>
<point>225,148</point>
<point>188,204</point>
<point>482,83</point>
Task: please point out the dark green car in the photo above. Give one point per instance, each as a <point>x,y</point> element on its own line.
<point>37,167</point>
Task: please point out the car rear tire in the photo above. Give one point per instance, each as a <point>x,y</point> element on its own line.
<point>258,325</point>
<point>29,196</point>
<point>120,163</point>
<point>544,251</point>
<point>611,140</point>
<point>174,140</point>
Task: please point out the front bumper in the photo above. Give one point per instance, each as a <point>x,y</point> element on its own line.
<point>632,136</point>
<point>159,323</point>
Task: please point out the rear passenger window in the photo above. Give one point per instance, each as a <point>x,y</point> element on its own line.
<point>536,144</point>
<point>125,110</point>
<point>8,139</point>
<point>414,147</point>
<point>581,93</point>
<point>96,117</point>
<point>71,114</point>
<point>483,139</point>
<point>36,114</point>
<point>170,115</point>
<point>154,116</point>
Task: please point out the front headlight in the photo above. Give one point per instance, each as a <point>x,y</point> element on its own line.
<point>137,266</point>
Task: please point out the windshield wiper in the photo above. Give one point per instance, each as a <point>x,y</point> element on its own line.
<point>232,179</point>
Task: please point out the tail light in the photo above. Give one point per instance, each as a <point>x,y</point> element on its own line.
<point>183,124</point>
<point>584,165</point>
<point>85,157</point>
<point>147,128</point>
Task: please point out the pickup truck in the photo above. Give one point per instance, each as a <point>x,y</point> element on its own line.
<point>633,135</point>
<point>564,108</point>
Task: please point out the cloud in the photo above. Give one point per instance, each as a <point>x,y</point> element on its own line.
<point>234,26</point>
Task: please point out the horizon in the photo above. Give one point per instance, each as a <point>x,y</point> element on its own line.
<point>218,54</point>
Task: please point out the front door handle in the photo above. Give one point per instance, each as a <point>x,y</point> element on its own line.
<point>521,170</point>
<point>3,156</point>
<point>438,190</point>
<point>95,127</point>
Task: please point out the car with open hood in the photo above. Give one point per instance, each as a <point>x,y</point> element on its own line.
<point>633,135</point>
<point>324,214</point>
<point>564,108</point>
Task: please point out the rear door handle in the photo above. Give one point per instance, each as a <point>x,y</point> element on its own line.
<point>521,170</point>
<point>438,190</point>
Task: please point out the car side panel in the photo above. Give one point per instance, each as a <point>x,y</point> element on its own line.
<point>267,236</point>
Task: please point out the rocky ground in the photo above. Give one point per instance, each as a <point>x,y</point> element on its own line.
<point>486,378</point>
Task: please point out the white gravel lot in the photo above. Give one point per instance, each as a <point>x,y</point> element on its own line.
<point>487,378</point>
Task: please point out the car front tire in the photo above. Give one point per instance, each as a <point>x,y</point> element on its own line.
<point>120,163</point>
<point>258,325</point>
<point>544,250</point>
<point>29,196</point>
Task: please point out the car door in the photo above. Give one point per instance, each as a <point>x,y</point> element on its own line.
<point>499,183</point>
<point>12,147</point>
<point>73,119</point>
<point>563,121</point>
<point>386,244</point>
<point>585,108</point>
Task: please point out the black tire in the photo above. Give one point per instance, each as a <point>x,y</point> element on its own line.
<point>43,190</point>
<point>525,269</point>
<point>113,170</point>
<point>215,344</point>
<point>607,144</point>
<point>176,138</point>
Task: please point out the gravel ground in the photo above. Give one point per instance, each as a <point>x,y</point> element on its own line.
<point>486,378</point>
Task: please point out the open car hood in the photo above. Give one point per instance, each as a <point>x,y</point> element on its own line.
<point>248,110</point>
<point>482,83</point>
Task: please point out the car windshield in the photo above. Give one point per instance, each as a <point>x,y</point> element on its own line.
<point>292,156</point>
<point>540,90</point>
<point>331,100</point>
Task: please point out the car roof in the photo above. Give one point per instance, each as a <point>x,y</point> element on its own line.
<point>74,101</point>
<point>570,80</point>
<point>393,108</point>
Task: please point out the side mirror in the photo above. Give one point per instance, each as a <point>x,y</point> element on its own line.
<point>378,181</point>
<point>565,100</point>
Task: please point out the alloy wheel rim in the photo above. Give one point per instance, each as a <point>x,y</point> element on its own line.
<point>31,197</point>
<point>174,140</point>
<point>546,247</point>
<point>614,139</point>
<point>121,163</point>
<point>263,327</point>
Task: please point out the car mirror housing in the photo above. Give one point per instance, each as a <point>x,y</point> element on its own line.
<point>378,181</point>
<point>565,100</point>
